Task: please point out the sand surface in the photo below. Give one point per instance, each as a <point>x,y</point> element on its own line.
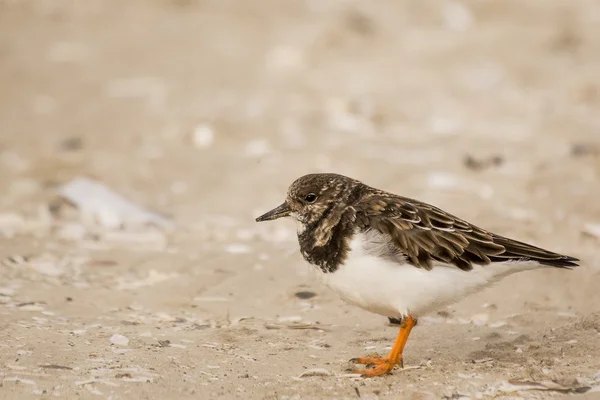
<point>205,111</point>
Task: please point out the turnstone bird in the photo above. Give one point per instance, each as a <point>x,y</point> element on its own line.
<point>395,256</point>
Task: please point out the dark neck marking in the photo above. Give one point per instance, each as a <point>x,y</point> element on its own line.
<point>333,254</point>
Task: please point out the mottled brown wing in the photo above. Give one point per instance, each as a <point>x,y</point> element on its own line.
<point>424,234</point>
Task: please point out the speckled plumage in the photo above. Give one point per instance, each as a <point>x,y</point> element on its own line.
<point>397,256</point>
<point>417,232</point>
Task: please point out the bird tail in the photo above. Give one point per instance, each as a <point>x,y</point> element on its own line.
<point>515,250</point>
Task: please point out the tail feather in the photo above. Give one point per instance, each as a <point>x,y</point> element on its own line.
<point>515,250</point>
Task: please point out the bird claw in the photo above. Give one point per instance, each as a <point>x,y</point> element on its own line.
<point>383,365</point>
<point>381,369</point>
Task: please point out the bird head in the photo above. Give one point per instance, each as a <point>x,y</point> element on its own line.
<point>313,197</point>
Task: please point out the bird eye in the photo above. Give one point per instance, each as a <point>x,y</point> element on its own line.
<point>311,197</point>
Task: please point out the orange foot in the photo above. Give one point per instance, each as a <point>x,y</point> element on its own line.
<point>383,366</point>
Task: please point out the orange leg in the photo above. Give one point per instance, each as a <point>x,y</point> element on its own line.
<point>385,364</point>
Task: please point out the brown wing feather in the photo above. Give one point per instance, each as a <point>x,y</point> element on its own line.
<point>424,234</point>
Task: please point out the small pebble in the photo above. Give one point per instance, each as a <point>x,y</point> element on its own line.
<point>479,164</point>
<point>584,149</point>
<point>315,372</point>
<point>305,295</point>
<point>71,144</point>
<point>203,136</point>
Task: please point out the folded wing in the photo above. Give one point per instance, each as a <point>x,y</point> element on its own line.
<point>425,234</point>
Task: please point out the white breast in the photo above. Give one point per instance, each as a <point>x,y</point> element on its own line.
<point>395,289</point>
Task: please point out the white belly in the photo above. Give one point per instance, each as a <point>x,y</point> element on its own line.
<point>392,289</point>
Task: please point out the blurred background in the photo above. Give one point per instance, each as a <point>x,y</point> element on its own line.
<point>140,139</point>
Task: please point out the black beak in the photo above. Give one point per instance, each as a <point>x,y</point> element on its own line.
<point>282,211</point>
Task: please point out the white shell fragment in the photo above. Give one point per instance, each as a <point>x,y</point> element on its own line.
<point>107,207</point>
<point>521,386</point>
<point>592,229</point>
<point>119,340</point>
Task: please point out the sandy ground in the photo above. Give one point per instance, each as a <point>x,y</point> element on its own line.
<point>207,110</point>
